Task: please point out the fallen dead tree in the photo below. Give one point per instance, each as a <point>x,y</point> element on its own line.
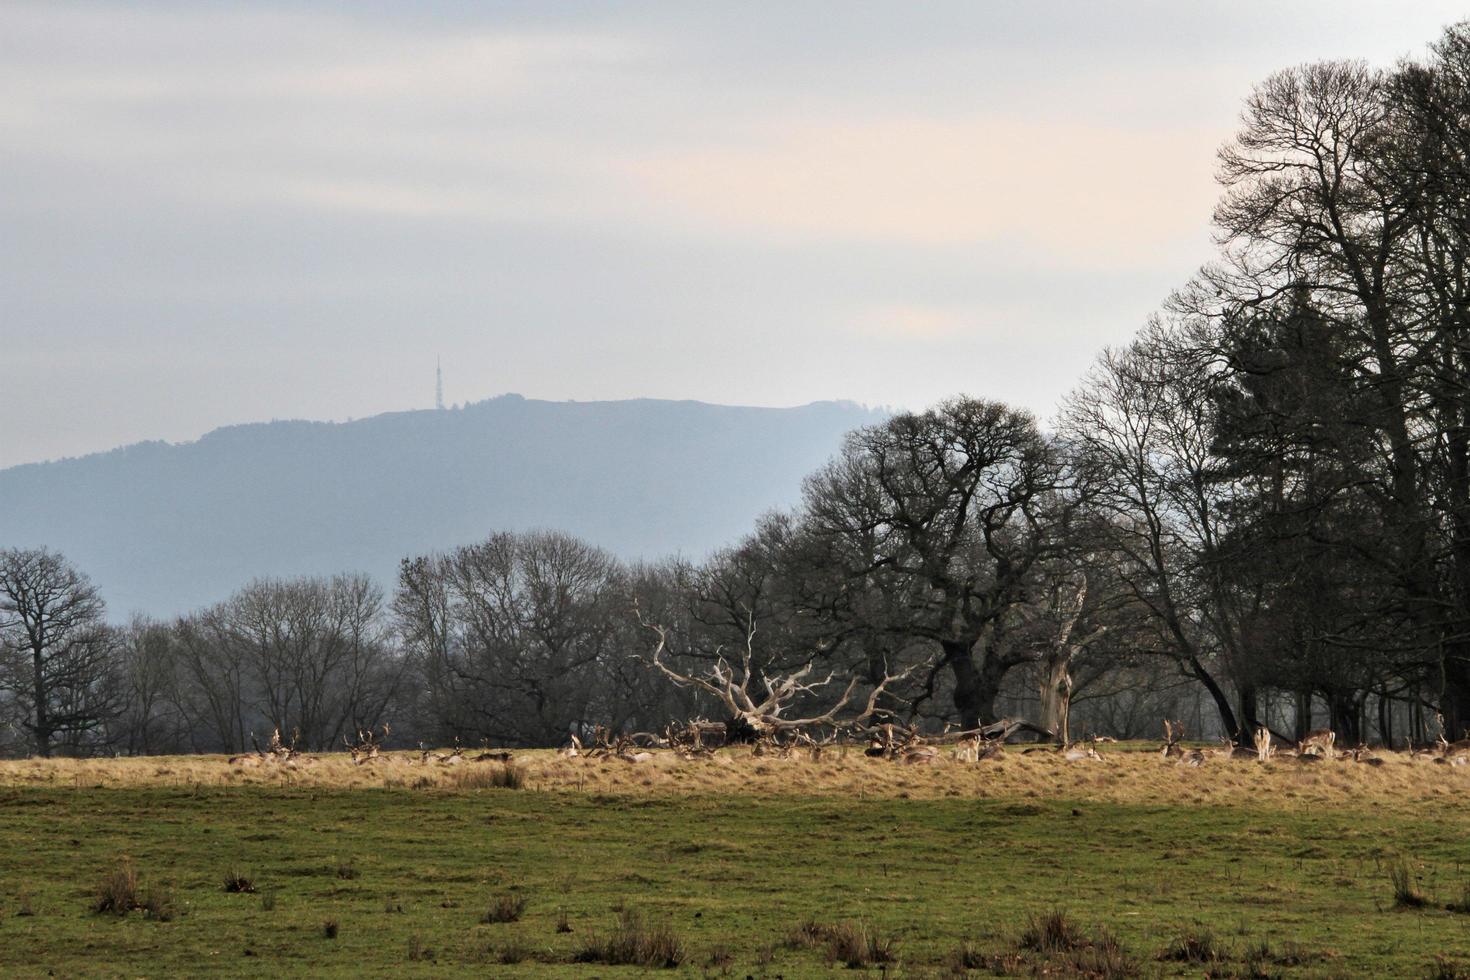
<point>755,713</point>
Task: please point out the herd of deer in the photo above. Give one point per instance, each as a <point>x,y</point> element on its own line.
<point>367,749</point>
<point>902,744</point>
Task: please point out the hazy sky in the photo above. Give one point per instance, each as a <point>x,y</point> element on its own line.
<point>214,214</point>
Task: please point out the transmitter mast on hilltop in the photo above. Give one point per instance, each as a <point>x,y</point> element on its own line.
<point>438,385</point>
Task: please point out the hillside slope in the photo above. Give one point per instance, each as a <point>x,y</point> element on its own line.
<point>163,528</point>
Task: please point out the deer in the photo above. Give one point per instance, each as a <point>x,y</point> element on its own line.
<point>366,749</point>
<point>1230,749</point>
<point>1451,753</point>
<point>967,749</point>
<point>452,759</point>
<point>1262,741</point>
<point>919,755</point>
<point>278,752</point>
<point>1319,741</point>
<point>1078,751</point>
<point>1173,733</point>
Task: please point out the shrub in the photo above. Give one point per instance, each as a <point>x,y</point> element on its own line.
<point>563,924</point>
<point>505,908</point>
<point>634,942</point>
<point>329,928</point>
<point>268,900</point>
<point>117,892</point>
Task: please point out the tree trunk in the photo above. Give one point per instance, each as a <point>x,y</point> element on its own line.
<point>1056,692</point>
<point>1344,718</point>
<point>739,731</point>
<point>1249,715</point>
<point>1303,714</point>
<point>1217,694</point>
<point>1454,703</point>
<point>43,723</point>
<point>975,688</point>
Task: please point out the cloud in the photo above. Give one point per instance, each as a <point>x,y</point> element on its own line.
<point>1092,193</point>
<point>919,323</point>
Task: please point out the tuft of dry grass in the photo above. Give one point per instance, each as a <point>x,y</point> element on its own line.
<point>418,952</point>
<point>238,882</point>
<point>1445,968</point>
<point>1406,894</point>
<point>160,903</point>
<point>504,908</point>
<point>117,892</point>
<point>635,942</point>
<point>1198,946</point>
<point>1052,933</point>
<point>488,775</point>
<point>857,945</point>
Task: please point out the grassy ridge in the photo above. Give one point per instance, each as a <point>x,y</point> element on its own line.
<point>407,875</point>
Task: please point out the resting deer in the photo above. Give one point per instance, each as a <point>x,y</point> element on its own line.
<point>453,758</point>
<point>1319,742</point>
<point>919,755</point>
<point>366,749</point>
<point>1078,751</point>
<point>1229,749</point>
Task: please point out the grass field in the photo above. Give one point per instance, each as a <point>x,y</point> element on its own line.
<point>737,866</point>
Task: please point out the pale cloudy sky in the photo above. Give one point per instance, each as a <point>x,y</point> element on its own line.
<point>217,213</point>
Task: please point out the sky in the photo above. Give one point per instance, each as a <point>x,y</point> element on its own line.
<point>213,214</point>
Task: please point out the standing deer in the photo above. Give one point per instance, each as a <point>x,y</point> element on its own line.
<point>1264,751</point>
<point>1173,733</point>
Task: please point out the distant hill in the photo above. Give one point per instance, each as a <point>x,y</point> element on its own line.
<point>163,528</point>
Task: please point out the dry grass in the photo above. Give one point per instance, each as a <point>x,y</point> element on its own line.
<point>504,908</point>
<point>117,891</point>
<point>635,942</point>
<point>1128,777</point>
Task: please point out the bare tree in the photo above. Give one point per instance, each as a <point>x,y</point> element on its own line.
<point>515,637</point>
<point>945,515</point>
<point>60,655</point>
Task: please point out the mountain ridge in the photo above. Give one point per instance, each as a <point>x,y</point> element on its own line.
<point>163,527</point>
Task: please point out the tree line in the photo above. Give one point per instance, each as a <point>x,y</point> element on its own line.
<point>1256,513</point>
